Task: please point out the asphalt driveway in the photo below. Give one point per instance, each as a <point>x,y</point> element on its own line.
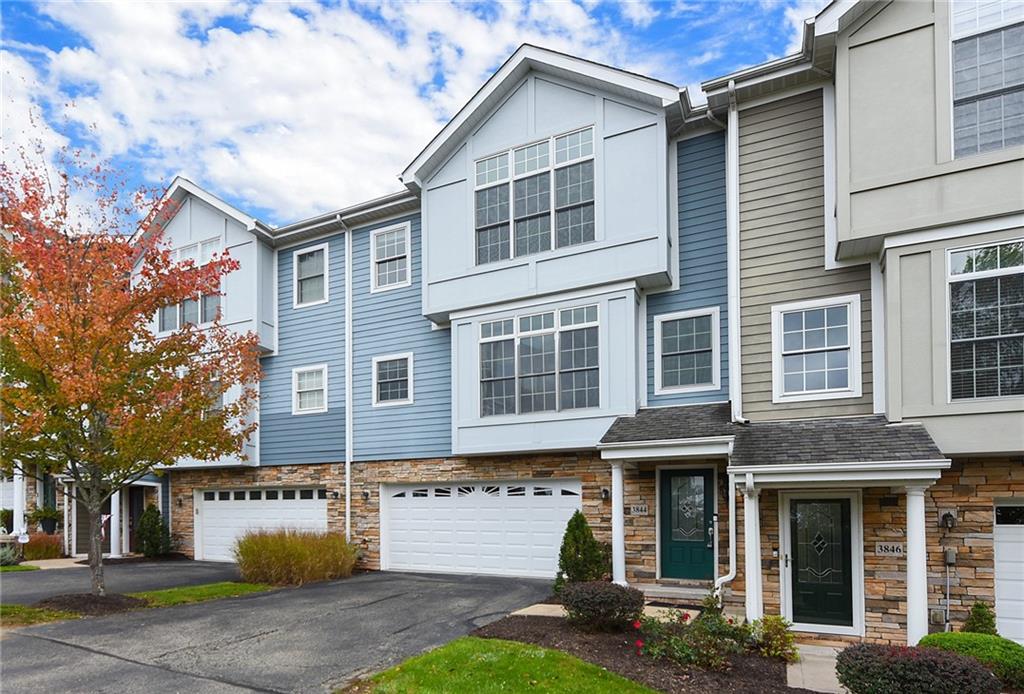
<point>310,639</point>
<point>27,587</point>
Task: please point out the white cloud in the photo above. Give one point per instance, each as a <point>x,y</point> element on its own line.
<point>638,12</point>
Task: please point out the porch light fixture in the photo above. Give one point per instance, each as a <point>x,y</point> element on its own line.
<point>366,495</point>
<point>335,495</point>
<point>605,494</point>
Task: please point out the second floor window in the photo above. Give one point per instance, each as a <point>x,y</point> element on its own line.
<point>544,200</point>
<point>392,380</point>
<point>310,276</point>
<point>189,312</point>
<point>988,76</point>
<point>986,321</point>
<point>309,389</point>
<point>542,362</point>
<point>687,351</point>
<point>390,258</point>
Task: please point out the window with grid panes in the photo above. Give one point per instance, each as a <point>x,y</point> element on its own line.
<point>392,380</point>
<point>390,258</point>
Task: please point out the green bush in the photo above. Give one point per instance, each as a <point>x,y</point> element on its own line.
<point>1003,657</point>
<point>7,519</point>
<point>601,606</point>
<point>981,620</point>
<point>43,546</point>
<point>293,557</point>
<point>154,537</point>
<point>9,555</point>
<point>773,639</point>
<point>581,557</point>
<point>873,669</point>
<point>705,642</point>
<point>44,513</point>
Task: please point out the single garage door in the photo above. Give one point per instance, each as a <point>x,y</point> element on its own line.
<point>1009,550</point>
<point>503,528</point>
<point>223,515</point>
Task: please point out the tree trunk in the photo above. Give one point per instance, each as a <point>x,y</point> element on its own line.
<point>96,550</point>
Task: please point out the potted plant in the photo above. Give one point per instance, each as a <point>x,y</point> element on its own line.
<point>46,516</point>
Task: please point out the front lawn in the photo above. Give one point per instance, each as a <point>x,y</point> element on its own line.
<point>208,591</point>
<point>482,666</point>
<point>21,615</point>
<point>18,567</point>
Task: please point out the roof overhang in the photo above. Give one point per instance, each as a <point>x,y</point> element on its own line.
<point>637,451</point>
<point>345,218</point>
<point>852,474</point>
<point>181,188</point>
<point>526,58</point>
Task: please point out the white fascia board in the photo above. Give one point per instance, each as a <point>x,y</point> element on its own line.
<point>878,473</point>
<point>667,449</point>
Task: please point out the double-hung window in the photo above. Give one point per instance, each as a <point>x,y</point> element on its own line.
<point>988,75</point>
<point>310,285</point>
<point>686,351</point>
<point>816,349</point>
<point>986,321</point>
<point>309,389</point>
<point>392,380</point>
<point>201,310</point>
<point>541,362</point>
<point>390,258</point>
<point>534,198</point>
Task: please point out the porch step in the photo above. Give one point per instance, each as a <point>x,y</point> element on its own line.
<point>675,593</point>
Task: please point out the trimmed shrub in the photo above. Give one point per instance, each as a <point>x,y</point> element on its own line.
<point>293,557</point>
<point>1005,658</point>
<point>981,620</point>
<point>706,642</point>
<point>9,555</point>
<point>601,606</point>
<point>581,557</point>
<point>154,537</point>
<point>7,519</point>
<point>872,669</point>
<point>773,639</point>
<point>43,546</point>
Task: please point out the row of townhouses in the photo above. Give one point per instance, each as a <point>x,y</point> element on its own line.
<point>772,343</point>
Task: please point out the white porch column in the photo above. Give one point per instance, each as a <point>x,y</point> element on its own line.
<point>115,524</point>
<point>752,551</point>
<point>19,503</point>
<point>618,526</point>
<point>917,567</point>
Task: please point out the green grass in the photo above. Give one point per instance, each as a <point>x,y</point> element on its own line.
<point>488,666</point>
<point>20,615</point>
<point>18,567</point>
<point>200,593</point>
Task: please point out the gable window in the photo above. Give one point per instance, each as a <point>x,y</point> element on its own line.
<point>309,389</point>
<point>392,380</point>
<point>816,349</point>
<point>541,362</point>
<point>686,351</point>
<point>200,311</point>
<point>310,276</point>
<point>986,321</point>
<point>539,203</point>
<point>988,76</point>
<point>389,258</point>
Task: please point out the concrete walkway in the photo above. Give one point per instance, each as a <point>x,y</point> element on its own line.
<point>544,609</point>
<point>816,670</point>
<point>62,563</point>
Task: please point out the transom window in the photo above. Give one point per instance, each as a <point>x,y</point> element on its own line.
<point>309,389</point>
<point>687,347</point>
<point>310,273</point>
<point>986,321</point>
<point>540,362</point>
<point>390,258</point>
<point>540,205</point>
<point>816,349</point>
<point>988,76</point>
<point>392,379</point>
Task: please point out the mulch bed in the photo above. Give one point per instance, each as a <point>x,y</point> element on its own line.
<point>617,653</point>
<point>91,605</point>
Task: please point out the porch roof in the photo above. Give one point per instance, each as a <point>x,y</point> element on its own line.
<point>672,423</point>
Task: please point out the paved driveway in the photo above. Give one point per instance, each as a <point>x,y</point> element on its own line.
<point>308,639</point>
<point>27,587</point>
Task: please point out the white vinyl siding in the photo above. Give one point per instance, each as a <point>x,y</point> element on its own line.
<point>309,389</point>
<point>310,281</point>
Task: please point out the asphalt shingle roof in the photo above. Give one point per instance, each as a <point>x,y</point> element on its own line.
<point>661,423</point>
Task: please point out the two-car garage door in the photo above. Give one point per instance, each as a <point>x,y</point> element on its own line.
<point>224,515</point>
<point>505,528</point>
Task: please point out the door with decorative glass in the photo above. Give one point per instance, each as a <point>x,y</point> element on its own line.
<point>687,500</point>
<point>822,571</point>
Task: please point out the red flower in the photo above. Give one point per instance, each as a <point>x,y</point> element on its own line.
<point>686,617</point>
<point>639,643</point>
<point>730,620</point>
<point>637,624</point>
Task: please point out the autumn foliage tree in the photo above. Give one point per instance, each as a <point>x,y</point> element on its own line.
<point>88,390</point>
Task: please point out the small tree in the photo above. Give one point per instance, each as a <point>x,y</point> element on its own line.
<point>981,620</point>
<point>581,557</point>
<point>153,534</point>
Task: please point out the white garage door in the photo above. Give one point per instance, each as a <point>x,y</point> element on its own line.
<point>1009,547</point>
<point>225,514</point>
<point>504,528</point>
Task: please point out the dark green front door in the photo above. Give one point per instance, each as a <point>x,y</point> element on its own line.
<point>822,564</point>
<point>687,499</point>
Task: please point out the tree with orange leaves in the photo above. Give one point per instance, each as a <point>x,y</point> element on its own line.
<point>88,391</point>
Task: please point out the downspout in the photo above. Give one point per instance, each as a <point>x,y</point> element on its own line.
<point>728,578</point>
<point>732,229</point>
<point>348,380</point>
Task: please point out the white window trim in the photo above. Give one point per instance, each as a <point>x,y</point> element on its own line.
<point>408,356</point>
<point>855,387</point>
<point>716,351</point>
<point>406,227</point>
<point>295,275</point>
<point>295,389</point>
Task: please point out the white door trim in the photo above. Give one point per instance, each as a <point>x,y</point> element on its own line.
<point>856,555</point>
<point>657,513</point>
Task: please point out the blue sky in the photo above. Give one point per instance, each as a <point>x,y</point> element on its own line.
<point>290,109</point>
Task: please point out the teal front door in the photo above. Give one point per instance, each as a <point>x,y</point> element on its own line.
<point>687,500</point>
<point>822,561</point>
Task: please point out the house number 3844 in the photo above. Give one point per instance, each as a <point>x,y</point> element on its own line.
<point>638,509</point>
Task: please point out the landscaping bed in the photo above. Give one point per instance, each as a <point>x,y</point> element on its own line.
<point>91,605</point>
<point>616,653</point>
